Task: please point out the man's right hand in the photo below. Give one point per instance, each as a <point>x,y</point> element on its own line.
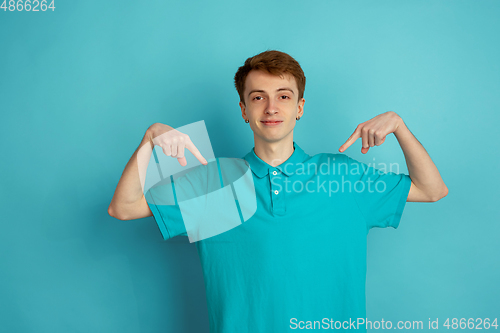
<point>173,143</point>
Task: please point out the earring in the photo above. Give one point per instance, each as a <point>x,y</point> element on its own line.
<point>247,121</point>
<point>297,118</point>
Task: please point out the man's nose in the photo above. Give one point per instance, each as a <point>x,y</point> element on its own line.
<point>272,107</point>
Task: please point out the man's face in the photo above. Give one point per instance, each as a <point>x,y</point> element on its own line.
<point>271,98</point>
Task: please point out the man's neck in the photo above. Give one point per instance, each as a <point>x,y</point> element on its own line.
<point>274,153</point>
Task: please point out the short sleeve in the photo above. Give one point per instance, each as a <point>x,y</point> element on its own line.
<point>380,196</point>
<point>162,202</point>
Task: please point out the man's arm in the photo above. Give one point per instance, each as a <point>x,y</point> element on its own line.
<point>128,202</point>
<point>426,182</point>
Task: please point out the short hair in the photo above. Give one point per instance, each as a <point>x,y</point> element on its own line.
<point>273,62</point>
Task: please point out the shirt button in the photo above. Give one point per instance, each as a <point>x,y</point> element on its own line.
<point>275,173</point>
<point>276,192</point>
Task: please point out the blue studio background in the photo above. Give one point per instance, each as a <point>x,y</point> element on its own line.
<point>80,85</point>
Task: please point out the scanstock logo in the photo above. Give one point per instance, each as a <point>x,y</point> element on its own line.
<point>212,198</point>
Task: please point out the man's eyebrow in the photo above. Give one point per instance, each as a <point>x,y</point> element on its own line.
<point>279,89</point>
<point>286,88</point>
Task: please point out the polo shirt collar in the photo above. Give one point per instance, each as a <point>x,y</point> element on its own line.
<point>288,167</point>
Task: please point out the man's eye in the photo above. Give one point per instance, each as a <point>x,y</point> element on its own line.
<point>257,97</point>
<point>285,96</point>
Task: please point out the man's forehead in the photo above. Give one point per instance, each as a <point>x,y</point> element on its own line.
<point>260,80</point>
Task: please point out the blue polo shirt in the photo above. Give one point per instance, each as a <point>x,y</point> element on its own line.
<point>299,262</point>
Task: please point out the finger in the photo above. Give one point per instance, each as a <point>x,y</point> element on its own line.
<point>191,147</point>
<point>180,153</point>
<point>364,138</point>
<point>166,149</point>
<point>371,137</point>
<point>174,148</point>
<point>182,161</point>
<point>354,136</point>
<point>180,149</point>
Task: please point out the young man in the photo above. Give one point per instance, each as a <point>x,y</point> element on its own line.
<point>300,260</point>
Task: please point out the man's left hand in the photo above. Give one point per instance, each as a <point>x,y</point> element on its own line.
<point>373,132</point>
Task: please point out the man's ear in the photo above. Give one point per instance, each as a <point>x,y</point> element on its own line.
<point>301,107</point>
<point>243,110</point>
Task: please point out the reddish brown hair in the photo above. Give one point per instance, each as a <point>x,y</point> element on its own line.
<point>273,62</point>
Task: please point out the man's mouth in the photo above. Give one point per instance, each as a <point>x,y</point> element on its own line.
<point>271,122</point>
